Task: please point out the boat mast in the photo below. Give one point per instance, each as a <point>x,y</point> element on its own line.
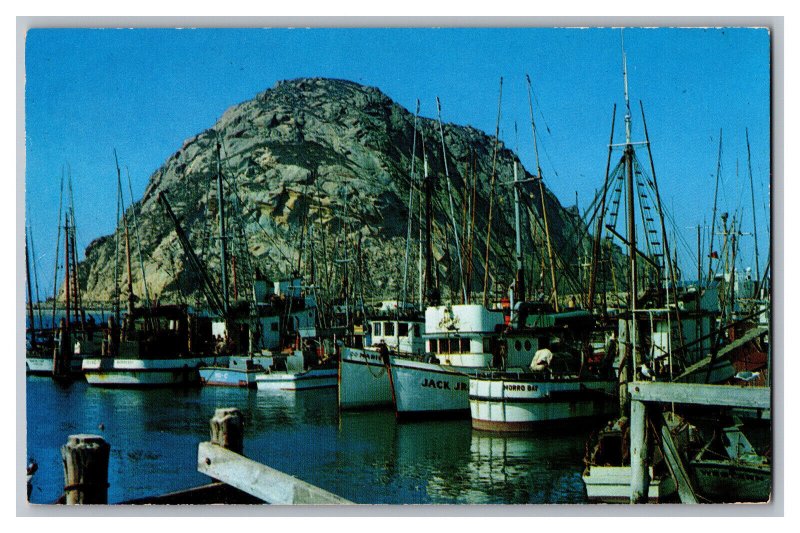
<point>520,284</point>
<point>714,212</point>
<point>128,261</point>
<point>452,210</point>
<point>74,255</point>
<point>410,208</point>
<point>138,240</point>
<point>66,270</point>
<point>539,178</point>
<point>431,292</point>
<point>30,294</point>
<point>420,220</point>
<point>223,246</point>
<point>36,281</point>
<point>491,199</point>
<point>633,288</point>
<point>753,200</point>
<point>58,250</point>
<point>116,243</point>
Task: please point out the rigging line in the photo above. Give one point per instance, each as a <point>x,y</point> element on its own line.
<point>714,212</point>
<point>116,242</point>
<point>58,248</point>
<point>542,195</point>
<point>138,237</point>
<point>410,208</point>
<point>452,210</point>
<point>566,271</point>
<point>491,197</point>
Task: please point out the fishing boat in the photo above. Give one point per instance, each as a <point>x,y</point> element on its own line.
<point>560,380</point>
<point>607,472</point>
<point>462,339</point>
<point>518,402</point>
<point>297,371</point>
<point>162,345</point>
<point>729,470</point>
<point>241,371</point>
<point>364,380</point>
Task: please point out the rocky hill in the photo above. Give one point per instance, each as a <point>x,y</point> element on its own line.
<point>323,166</point>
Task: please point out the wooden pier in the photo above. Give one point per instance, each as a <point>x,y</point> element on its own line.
<point>235,478</point>
<point>643,393</point>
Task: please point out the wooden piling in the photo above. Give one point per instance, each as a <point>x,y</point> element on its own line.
<point>227,429</point>
<point>640,475</point>
<point>85,459</point>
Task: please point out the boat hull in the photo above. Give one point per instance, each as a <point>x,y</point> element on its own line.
<point>428,390</point>
<point>228,377</point>
<point>240,371</point>
<point>363,380</point>
<point>520,405</point>
<point>43,366</point>
<point>729,482</point>
<point>612,484</point>
<point>118,372</point>
<point>317,378</point>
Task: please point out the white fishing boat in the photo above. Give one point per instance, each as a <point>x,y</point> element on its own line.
<point>363,379</point>
<point>41,364</point>
<point>469,340</point>
<point>363,374</point>
<point>612,484</point>
<point>138,372</point>
<point>428,389</point>
<point>607,475</point>
<point>521,402</point>
<point>313,378</point>
<point>157,346</point>
<point>241,371</point>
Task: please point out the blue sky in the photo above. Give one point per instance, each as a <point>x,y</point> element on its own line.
<point>143,92</point>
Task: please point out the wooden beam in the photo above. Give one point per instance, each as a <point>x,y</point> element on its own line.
<point>682,480</point>
<point>697,394</point>
<point>640,474</point>
<point>263,482</point>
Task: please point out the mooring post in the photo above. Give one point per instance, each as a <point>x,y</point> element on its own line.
<point>640,475</point>
<point>85,460</point>
<point>227,429</point>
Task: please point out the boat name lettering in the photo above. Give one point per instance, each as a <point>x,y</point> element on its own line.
<point>433,384</point>
<point>520,388</point>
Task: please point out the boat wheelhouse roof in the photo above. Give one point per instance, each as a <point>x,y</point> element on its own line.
<point>572,319</point>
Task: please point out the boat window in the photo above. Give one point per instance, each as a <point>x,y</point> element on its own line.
<point>402,329</point>
<point>433,346</point>
<point>464,345</point>
<point>517,345</point>
<point>274,326</point>
<point>527,346</point>
<point>487,345</point>
<point>388,329</point>
<point>377,328</point>
<point>454,346</point>
<point>416,330</point>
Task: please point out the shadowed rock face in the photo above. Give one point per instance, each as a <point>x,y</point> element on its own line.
<point>334,157</point>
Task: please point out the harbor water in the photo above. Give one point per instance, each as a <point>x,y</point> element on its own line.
<point>366,457</point>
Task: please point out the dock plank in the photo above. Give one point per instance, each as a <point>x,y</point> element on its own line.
<point>270,485</point>
<point>700,394</point>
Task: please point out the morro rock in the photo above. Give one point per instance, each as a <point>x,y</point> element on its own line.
<point>321,168</point>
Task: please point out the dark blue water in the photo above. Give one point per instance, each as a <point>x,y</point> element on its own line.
<point>364,457</point>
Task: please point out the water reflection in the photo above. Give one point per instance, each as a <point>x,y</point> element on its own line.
<point>365,457</point>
